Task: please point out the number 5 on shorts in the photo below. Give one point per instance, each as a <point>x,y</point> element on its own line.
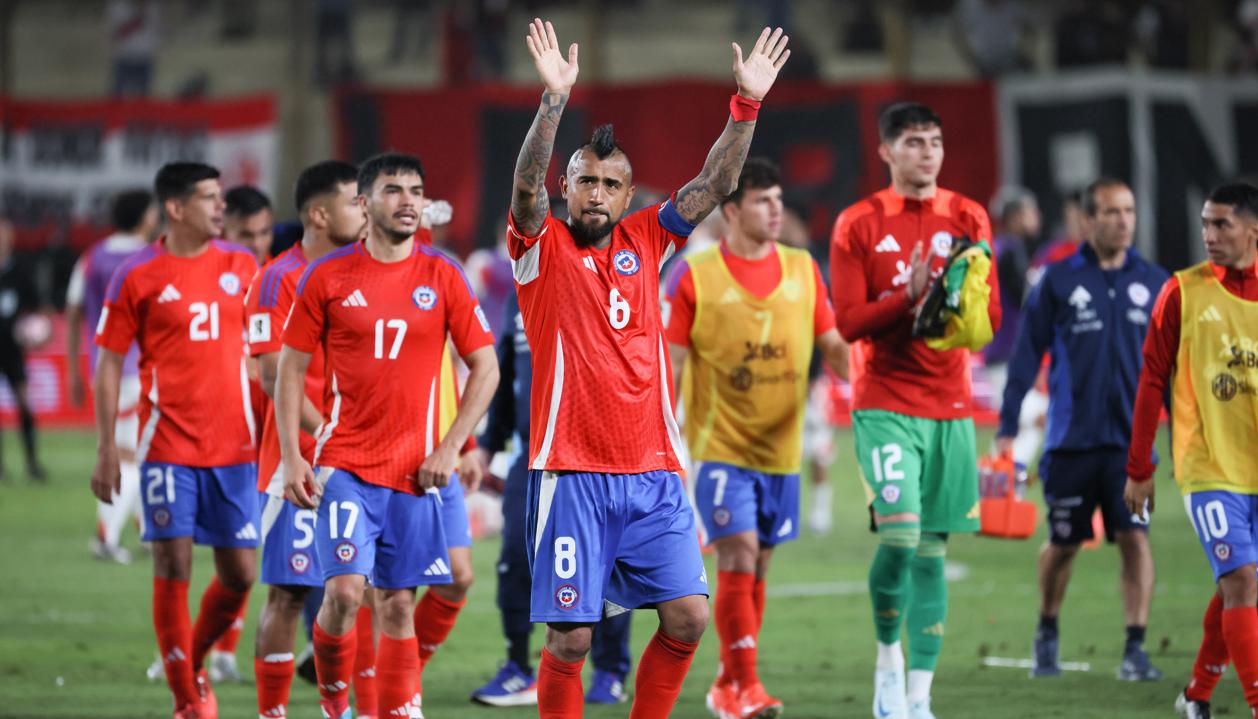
<point>565,557</point>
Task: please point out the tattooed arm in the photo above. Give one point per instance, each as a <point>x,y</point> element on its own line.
<point>725,160</point>
<point>529,201</point>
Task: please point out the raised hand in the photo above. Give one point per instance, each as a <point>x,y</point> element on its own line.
<point>756,74</point>
<point>556,73</point>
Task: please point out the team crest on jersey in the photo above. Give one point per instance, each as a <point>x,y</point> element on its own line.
<point>720,516</point>
<point>161,517</point>
<point>345,552</point>
<point>299,562</point>
<point>890,494</point>
<point>566,596</point>
<point>1222,551</point>
<point>626,263</point>
<point>1224,387</point>
<point>424,297</point>
<point>1138,293</point>
<point>229,282</point>
<point>941,243</point>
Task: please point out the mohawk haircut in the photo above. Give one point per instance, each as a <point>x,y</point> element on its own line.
<point>603,143</point>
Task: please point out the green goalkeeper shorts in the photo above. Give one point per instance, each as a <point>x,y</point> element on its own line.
<point>927,467</point>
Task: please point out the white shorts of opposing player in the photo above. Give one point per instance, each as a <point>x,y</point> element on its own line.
<point>126,504</point>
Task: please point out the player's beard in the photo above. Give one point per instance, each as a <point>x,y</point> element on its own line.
<point>586,236</point>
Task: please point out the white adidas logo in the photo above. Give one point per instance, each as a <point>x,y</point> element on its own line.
<point>368,672</point>
<point>247,532</point>
<point>176,655</point>
<point>169,294</point>
<point>1211,314</point>
<point>887,244</point>
<point>355,299</point>
<point>589,264</point>
<point>275,712</point>
<point>334,687</point>
<point>430,648</point>
<point>747,642</point>
<point>437,568</point>
<point>787,526</point>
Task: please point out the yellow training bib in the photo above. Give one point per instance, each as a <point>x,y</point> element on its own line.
<point>746,377</point>
<point>1214,390</point>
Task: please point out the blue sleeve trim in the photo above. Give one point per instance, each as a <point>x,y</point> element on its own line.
<point>672,220</point>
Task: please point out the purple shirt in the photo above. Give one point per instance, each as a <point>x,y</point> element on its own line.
<point>89,282</point>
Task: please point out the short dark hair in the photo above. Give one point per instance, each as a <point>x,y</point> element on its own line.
<point>1088,197</point>
<point>245,201</point>
<point>759,173</point>
<point>176,180</point>
<point>603,142</point>
<point>129,206</point>
<point>901,116</point>
<point>387,163</point>
<point>322,178</point>
<point>1242,196</point>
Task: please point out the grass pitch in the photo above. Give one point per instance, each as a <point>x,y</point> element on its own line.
<point>76,634</point>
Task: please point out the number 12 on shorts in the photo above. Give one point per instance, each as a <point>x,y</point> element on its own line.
<point>886,463</point>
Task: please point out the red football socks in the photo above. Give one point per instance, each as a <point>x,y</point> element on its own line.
<point>231,638</point>
<point>174,637</point>
<point>1240,631</point>
<point>559,691</point>
<point>434,618</point>
<point>219,608</point>
<point>334,662</point>
<point>737,626</point>
<point>364,665</point>
<point>661,672</point>
<point>397,665</point>
<point>757,596</point>
<point>1212,657</point>
<point>274,679</point>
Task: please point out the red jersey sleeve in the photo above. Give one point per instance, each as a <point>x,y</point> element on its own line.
<point>855,316</point>
<point>980,228</point>
<point>266,308</point>
<point>1161,344</point>
<point>465,320</point>
<point>679,304</point>
<point>518,243</point>
<point>304,329</point>
<point>118,323</point>
<point>823,311</point>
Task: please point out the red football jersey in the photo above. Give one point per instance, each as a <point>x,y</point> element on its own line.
<point>383,329</point>
<point>869,269</point>
<point>267,304</point>
<point>187,316</point>
<point>600,399</point>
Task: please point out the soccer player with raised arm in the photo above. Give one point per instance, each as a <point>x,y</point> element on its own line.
<point>911,404</point>
<point>609,527</point>
<point>331,217</point>
<point>742,318</point>
<point>181,300</point>
<point>380,310</point>
<point>1199,350</point>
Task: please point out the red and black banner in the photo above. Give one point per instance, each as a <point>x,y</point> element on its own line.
<point>824,136</point>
